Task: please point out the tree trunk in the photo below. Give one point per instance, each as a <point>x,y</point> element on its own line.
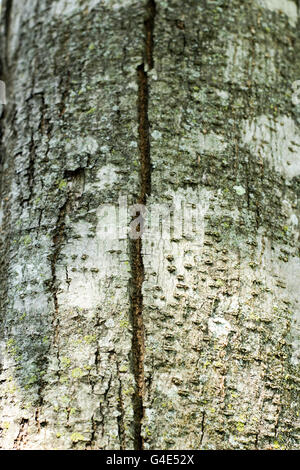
<point>186,337</point>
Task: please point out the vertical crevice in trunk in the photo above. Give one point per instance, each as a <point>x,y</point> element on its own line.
<point>144,141</point>
<point>22,435</point>
<point>136,298</point>
<point>136,257</point>
<point>121,425</point>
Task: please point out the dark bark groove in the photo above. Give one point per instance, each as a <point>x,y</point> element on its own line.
<point>137,264</point>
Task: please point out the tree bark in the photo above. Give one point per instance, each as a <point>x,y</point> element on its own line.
<point>186,337</point>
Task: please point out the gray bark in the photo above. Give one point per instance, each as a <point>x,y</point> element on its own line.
<point>187,341</point>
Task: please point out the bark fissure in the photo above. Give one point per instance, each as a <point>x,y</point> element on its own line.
<point>136,256</point>
<point>23,431</point>
<point>202,428</point>
<point>121,424</point>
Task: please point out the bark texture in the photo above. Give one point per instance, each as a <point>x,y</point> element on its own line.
<point>188,341</point>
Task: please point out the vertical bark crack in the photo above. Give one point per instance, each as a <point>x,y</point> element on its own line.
<point>121,424</point>
<point>138,346</point>
<point>22,435</point>
<point>136,257</point>
<point>202,428</point>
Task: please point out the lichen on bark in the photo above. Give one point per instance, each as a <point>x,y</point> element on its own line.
<point>178,340</point>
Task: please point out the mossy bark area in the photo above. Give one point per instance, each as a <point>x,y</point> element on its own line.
<point>182,342</point>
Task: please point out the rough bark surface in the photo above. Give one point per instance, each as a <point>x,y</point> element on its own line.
<point>188,341</point>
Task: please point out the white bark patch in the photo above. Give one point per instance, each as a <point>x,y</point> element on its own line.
<point>292,217</point>
<point>156,135</point>
<point>182,236</point>
<point>21,11</point>
<point>1,216</point>
<point>224,95</point>
<point>91,263</point>
<point>294,220</point>
<point>219,327</point>
<point>291,274</point>
<point>196,142</point>
<point>277,141</point>
<point>81,145</point>
<point>70,7</point>
<point>273,268</point>
<point>168,391</point>
<point>239,190</point>
<point>288,7</point>
<point>241,59</point>
<point>107,177</point>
